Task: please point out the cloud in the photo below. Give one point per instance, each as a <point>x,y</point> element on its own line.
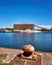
<point>45,26</point>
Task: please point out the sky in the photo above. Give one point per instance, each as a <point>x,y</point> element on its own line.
<point>38,12</point>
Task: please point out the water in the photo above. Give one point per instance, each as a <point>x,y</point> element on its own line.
<point>41,41</point>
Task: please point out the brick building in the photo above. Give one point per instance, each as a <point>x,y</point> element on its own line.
<point>23,26</point>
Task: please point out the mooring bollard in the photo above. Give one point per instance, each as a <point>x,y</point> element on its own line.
<point>28,56</point>
<point>29,53</point>
<point>28,50</point>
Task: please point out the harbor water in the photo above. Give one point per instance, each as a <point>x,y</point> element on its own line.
<point>41,41</point>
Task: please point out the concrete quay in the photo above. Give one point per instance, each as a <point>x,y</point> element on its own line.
<point>46,58</point>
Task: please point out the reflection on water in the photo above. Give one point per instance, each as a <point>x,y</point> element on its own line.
<point>23,39</point>
<point>41,41</point>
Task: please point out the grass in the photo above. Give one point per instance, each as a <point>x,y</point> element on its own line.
<point>3,56</point>
<point>7,64</point>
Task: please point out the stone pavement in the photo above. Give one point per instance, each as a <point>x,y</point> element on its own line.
<point>11,54</point>
<point>46,58</point>
<point>19,61</point>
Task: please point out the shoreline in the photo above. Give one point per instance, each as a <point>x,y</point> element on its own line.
<point>20,49</point>
<point>22,31</point>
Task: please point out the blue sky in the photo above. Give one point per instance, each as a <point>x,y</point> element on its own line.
<point>37,12</point>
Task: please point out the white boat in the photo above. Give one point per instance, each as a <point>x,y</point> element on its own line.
<point>27,31</point>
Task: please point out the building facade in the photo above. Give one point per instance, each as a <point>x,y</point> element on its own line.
<point>23,26</point>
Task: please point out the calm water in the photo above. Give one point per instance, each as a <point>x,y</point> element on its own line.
<point>41,41</point>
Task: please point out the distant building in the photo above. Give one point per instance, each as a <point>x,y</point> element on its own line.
<point>23,26</point>
<point>2,30</point>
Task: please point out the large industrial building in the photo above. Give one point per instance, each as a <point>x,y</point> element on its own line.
<point>23,26</point>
